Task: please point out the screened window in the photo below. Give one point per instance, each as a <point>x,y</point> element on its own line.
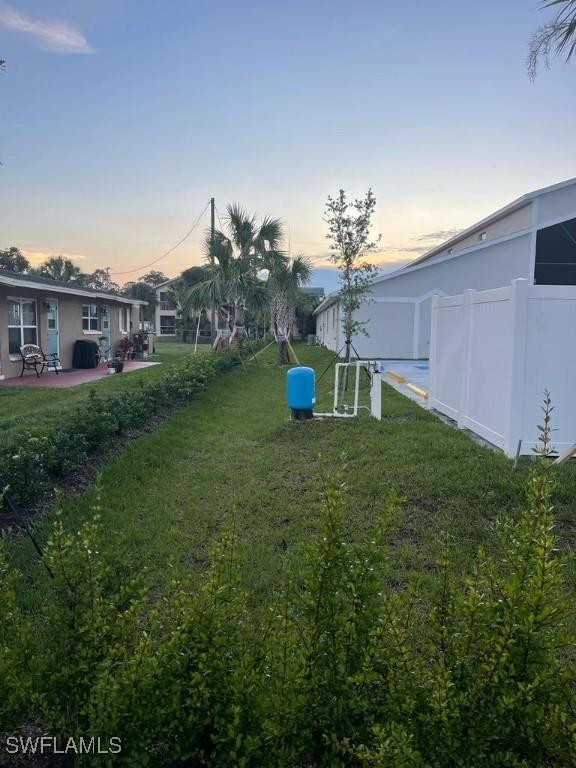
<point>167,325</point>
<point>22,325</point>
<point>89,317</point>
<point>556,254</point>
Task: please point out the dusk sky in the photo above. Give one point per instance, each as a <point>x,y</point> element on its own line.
<point>120,118</point>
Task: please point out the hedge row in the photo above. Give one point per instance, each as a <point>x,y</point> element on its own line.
<point>343,670</point>
<point>40,460</point>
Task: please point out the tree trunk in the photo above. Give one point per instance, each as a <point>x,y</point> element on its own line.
<point>222,338</point>
<point>283,353</point>
<point>239,330</point>
<point>282,317</point>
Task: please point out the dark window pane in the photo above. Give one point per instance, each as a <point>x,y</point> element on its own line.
<point>14,342</point>
<point>556,254</point>
<point>13,313</point>
<point>30,336</point>
<point>28,313</point>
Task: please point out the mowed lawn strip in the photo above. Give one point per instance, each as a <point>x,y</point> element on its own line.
<point>34,408</point>
<point>165,497</point>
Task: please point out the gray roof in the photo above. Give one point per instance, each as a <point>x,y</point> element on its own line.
<point>39,281</point>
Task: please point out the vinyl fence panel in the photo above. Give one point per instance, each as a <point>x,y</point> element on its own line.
<point>494,353</point>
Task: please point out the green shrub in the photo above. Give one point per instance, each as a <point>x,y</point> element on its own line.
<point>33,464</point>
<point>343,669</point>
<point>16,650</point>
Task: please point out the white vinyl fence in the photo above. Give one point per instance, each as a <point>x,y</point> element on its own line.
<point>492,355</point>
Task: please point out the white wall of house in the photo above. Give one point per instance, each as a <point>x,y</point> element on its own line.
<point>399,309</point>
<point>329,327</point>
<point>493,355</point>
<point>488,255</point>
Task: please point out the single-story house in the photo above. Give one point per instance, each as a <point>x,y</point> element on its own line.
<point>533,237</point>
<point>54,314</point>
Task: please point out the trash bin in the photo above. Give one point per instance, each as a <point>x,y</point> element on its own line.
<point>85,354</point>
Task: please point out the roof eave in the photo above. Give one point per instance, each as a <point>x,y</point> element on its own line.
<point>14,282</point>
<point>520,202</point>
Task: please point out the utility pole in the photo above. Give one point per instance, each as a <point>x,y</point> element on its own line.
<point>212,230</point>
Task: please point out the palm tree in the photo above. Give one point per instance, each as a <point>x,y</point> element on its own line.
<point>233,260</point>
<point>181,298</point>
<point>285,281</point>
<point>231,287</point>
<point>557,37</point>
<point>59,268</point>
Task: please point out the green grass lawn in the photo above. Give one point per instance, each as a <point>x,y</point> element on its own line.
<point>30,408</point>
<point>165,497</point>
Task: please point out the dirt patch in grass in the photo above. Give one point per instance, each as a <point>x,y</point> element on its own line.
<point>565,532</point>
<point>424,504</point>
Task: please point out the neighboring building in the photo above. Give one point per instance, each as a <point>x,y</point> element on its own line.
<point>534,237</point>
<point>53,315</point>
<point>305,321</point>
<point>166,314</point>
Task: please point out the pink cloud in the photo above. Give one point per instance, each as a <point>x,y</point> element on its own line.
<point>52,35</point>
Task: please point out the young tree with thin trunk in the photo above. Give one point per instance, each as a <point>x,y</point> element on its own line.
<point>349,233</point>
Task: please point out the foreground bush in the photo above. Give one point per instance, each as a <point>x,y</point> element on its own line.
<point>342,670</point>
<point>40,460</point>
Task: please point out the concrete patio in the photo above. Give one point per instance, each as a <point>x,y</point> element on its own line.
<point>71,378</point>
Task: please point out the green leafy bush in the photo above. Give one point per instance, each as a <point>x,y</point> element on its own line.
<point>343,669</point>
<point>40,460</point>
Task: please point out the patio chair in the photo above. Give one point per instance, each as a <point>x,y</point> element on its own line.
<point>33,359</point>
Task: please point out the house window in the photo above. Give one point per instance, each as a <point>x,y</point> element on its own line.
<point>167,325</point>
<point>22,325</point>
<point>89,317</point>
<point>124,320</point>
<point>556,254</point>
<point>166,302</point>
<point>482,236</point>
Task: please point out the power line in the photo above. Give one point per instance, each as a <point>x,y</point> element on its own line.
<point>219,219</point>
<point>169,251</point>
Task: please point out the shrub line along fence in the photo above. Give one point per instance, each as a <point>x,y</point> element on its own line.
<point>492,355</point>
<point>40,459</point>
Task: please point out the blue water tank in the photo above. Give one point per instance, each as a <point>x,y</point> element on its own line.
<point>301,391</point>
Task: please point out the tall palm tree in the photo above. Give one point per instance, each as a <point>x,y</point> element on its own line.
<point>231,287</point>
<point>285,281</point>
<point>60,268</point>
<point>233,260</point>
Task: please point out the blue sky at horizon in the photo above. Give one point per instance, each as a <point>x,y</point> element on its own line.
<point>121,118</point>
